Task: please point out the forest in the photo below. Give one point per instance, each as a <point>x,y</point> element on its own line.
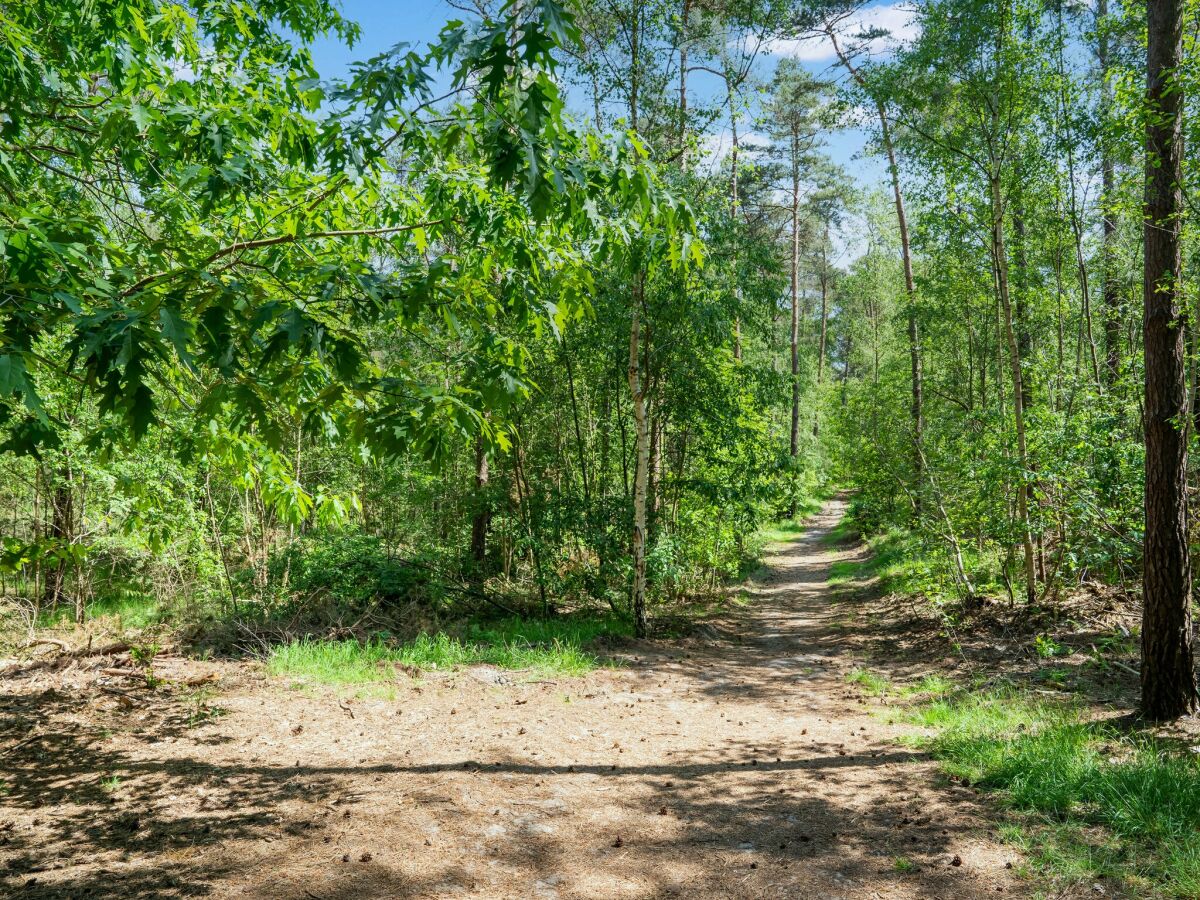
<point>649,448</point>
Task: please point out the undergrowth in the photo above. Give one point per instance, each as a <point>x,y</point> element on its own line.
<point>786,530</point>
<point>906,563</point>
<point>124,609</point>
<point>547,646</point>
<point>1091,802</point>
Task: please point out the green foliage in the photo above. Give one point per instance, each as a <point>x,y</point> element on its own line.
<point>870,683</point>
<point>1099,802</point>
<point>347,569</point>
<point>129,609</point>
<point>1046,647</point>
<point>1069,312</point>
<point>535,646</point>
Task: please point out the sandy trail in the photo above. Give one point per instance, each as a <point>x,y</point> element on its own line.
<point>740,766</point>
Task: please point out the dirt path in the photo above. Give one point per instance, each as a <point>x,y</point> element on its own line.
<point>740,766</point>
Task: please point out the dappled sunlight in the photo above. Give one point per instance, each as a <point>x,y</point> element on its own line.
<point>708,767</point>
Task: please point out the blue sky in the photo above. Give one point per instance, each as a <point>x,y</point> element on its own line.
<point>388,22</point>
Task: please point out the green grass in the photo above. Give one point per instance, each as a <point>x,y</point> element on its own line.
<point>903,865</point>
<point>845,571</point>
<point>876,685</point>
<point>870,682</point>
<point>1093,802</point>
<point>841,533</point>
<point>781,532</point>
<point>904,564</point>
<point>547,646</point>
<point>785,531</point>
<point>128,609</point>
<point>928,685</point>
<point>570,630</point>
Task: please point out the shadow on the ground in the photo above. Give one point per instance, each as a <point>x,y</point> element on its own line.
<point>149,848</point>
<point>101,822</point>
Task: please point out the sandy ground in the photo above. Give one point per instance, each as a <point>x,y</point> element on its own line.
<point>739,765</point>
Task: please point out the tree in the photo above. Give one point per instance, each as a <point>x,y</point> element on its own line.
<point>1168,675</point>
<point>829,23</point>
<point>794,117</point>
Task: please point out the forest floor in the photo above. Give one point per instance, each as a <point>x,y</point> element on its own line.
<point>737,762</point>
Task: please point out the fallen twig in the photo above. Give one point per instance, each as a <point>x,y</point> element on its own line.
<point>106,689</point>
<point>61,645</point>
<point>126,673</point>
<point>21,743</point>
<point>61,660</point>
<point>1120,665</point>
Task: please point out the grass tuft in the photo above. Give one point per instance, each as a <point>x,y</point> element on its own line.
<point>903,865</point>
<point>127,610</point>
<point>869,682</point>
<point>782,532</point>
<point>928,686</point>
<point>1100,803</point>
<point>548,646</point>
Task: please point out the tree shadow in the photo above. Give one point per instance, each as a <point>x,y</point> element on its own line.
<point>140,844</point>
<point>155,815</point>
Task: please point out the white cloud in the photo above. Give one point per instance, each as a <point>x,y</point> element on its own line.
<point>715,147</point>
<point>898,19</point>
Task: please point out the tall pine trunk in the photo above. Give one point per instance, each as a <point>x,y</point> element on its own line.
<point>1168,679</point>
<point>794,444</point>
<point>824,330</point>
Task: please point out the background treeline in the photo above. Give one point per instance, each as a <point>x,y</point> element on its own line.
<point>245,479</point>
<point>560,311</point>
<point>1016,127</point>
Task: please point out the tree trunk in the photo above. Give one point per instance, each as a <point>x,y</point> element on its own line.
<point>824,330</point>
<point>641,470</point>
<point>1000,259</point>
<point>483,513</point>
<point>733,210</point>
<point>1168,679</point>
<point>916,408</point>
<point>794,445</point>
<point>62,526</point>
<point>580,445</point>
<point>1020,289</point>
<point>685,14</point>
<point>1111,298</point>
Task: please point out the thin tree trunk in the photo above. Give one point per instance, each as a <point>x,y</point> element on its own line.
<point>733,210</point>
<point>1000,258</point>
<point>685,14</point>
<point>916,408</point>
<point>824,280</point>
<point>483,513</point>
<point>1168,679</point>
<point>794,444</point>
<point>1111,291</point>
<point>579,442</point>
<point>642,467</point>
<point>62,524</point>
<point>1020,288</point>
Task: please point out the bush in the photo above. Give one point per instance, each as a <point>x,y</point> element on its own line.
<point>346,569</point>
